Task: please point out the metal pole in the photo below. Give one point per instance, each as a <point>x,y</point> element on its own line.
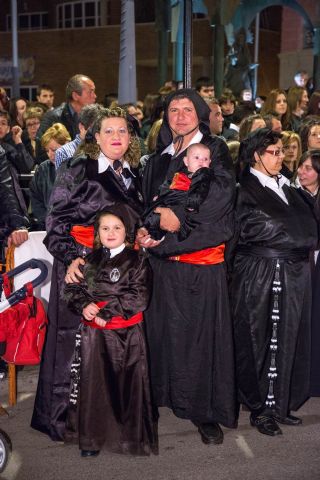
<point>127,64</point>
<point>187,35</point>
<point>256,55</point>
<point>15,58</point>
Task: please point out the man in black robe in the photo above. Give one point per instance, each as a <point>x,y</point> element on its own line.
<point>188,323</point>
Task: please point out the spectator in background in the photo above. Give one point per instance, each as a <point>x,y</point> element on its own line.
<point>109,98</point>
<point>17,108</point>
<point>241,111</point>
<point>298,104</point>
<point>152,111</point>
<point>87,117</point>
<point>205,87</point>
<point>301,78</point>
<point>314,104</point>
<point>45,95</point>
<point>273,122</point>
<point>227,103</point>
<point>292,149</point>
<point>4,100</point>
<point>276,101</point>
<point>45,175</point>
<point>249,124</point>
<point>310,134</point>
<point>246,95</point>
<point>32,118</point>
<point>216,117</point>
<point>80,91</point>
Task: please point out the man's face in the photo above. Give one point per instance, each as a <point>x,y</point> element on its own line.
<point>4,127</point>
<point>216,119</point>
<point>182,117</point>
<point>46,97</point>
<point>88,95</point>
<point>207,92</point>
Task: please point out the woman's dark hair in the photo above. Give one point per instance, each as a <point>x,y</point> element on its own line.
<point>305,129</point>
<point>314,103</point>
<point>13,111</point>
<point>314,156</point>
<point>257,141</point>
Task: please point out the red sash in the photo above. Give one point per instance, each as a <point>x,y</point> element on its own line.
<point>83,234</point>
<point>180,181</point>
<point>116,322</point>
<point>208,256</point>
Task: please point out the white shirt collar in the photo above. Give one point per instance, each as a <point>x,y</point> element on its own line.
<point>267,181</point>
<point>117,250</point>
<point>235,127</point>
<point>196,139</point>
<point>104,163</point>
<point>297,184</point>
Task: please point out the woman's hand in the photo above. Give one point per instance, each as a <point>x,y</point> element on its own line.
<point>90,311</point>
<point>99,321</point>
<point>143,239</point>
<point>168,219</point>
<point>17,237</point>
<point>73,272</point>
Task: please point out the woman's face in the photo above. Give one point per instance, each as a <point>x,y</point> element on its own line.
<point>314,137</point>
<point>281,104</point>
<point>304,100</point>
<point>21,107</point>
<point>291,151</point>
<point>113,138</point>
<point>308,176</point>
<point>270,162</point>
<point>51,148</point>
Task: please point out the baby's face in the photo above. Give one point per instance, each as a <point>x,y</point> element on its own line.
<point>197,158</point>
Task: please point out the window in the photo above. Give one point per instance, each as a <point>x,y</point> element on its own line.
<point>30,21</point>
<point>79,14</point>
<point>29,92</point>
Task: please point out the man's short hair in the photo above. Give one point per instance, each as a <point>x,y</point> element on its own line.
<point>203,82</point>
<point>88,114</point>
<point>44,86</point>
<point>75,84</point>
<point>5,114</point>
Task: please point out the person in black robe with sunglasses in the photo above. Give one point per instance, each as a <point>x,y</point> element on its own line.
<point>271,287</point>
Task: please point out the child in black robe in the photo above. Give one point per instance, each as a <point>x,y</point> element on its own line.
<point>110,396</point>
<point>187,189</point>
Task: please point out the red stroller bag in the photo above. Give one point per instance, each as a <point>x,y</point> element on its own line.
<point>23,324</point>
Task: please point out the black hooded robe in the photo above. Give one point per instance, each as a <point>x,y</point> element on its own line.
<point>188,324</point>
<point>266,222</point>
<point>79,193</point>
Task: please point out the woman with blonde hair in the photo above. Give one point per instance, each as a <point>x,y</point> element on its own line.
<point>292,149</point>
<point>42,183</point>
<point>85,184</point>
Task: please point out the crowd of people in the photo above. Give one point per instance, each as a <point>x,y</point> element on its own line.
<point>185,236</point>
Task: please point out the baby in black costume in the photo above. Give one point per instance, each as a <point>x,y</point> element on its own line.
<point>188,188</point>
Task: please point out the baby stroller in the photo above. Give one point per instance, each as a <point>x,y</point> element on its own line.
<point>9,349</point>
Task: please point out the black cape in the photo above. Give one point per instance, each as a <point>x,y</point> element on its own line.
<point>266,222</point>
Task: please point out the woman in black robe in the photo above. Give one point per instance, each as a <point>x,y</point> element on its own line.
<point>308,178</point>
<point>85,185</point>
<point>271,287</point>
<point>188,323</point>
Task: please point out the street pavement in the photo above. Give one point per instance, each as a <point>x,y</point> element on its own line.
<point>244,455</point>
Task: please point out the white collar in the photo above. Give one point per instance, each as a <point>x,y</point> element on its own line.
<point>117,250</point>
<point>104,163</point>
<point>235,127</point>
<point>195,139</point>
<point>267,181</point>
<point>297,184</point>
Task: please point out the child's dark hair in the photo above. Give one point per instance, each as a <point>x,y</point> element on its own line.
<point>96,242</point>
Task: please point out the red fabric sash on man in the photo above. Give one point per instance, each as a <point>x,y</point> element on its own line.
<point>207,256</point>
<point>83,234</point>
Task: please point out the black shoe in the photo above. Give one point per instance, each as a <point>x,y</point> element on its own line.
<point>210,433</point>
<point>265,424</point>
<point>288,420</point>
<point>89,453</point>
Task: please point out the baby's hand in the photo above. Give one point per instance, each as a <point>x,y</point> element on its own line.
<point>99,321</point>
<point>90,311</point>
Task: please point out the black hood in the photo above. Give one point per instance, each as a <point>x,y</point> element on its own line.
<point>202,109</point>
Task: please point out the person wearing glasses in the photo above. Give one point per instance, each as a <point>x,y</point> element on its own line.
<point>271,287</point>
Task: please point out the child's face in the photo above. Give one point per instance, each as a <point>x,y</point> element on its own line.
<point>112,232</point>
<point>197,158</point>
<point>4,127</point>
